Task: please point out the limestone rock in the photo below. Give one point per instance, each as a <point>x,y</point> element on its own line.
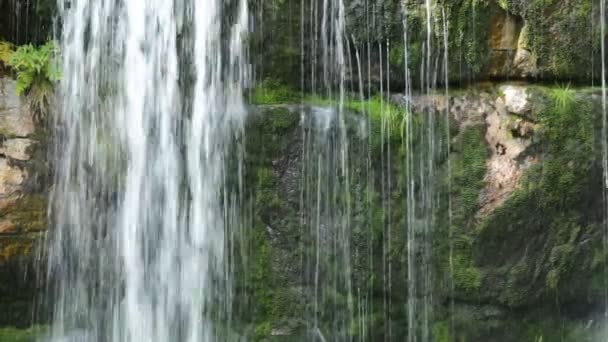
<point>11,179</point>
<point>16,148</point>
<point>15,119</point>
<point>525,63</point>
<point>516,99</point>
<point>508,138</point>
<point>504,32</point>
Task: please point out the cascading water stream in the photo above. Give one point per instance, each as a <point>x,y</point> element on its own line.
<point>604,137</point>
<point>139,244</point>
<point>326,186</point>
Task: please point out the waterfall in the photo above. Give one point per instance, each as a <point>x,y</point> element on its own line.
<point>150,102</point>
<point>604,135</point>
<point>326,201</point>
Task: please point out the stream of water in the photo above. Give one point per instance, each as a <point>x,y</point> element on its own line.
<point>151,103</point>
<point>139,244</point>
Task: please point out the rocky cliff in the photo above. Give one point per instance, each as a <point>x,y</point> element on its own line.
<point>519,258</point>
<point>515,253</point>
<point>24,186</point>
<point>536,40</point>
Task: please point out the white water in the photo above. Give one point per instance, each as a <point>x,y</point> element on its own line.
<point>138,249</point>
<point>604,136</point>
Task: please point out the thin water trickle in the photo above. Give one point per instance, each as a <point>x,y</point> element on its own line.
<point>604,135</point>
<point>140,215</point>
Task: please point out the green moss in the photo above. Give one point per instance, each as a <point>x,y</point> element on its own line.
<point>273,92</point>
<point>441,331</point>
<point>468,172</point>
<point>468,169</point>
<point>270,240</point>
<point>560,35</point>
<point>467,278</point>
<point>12,249</point>
<point>276,41</point>
<point>533,240</point>
<point>28,214</point>
<point>469,21</point>
<point>387,120</point>
<point>31,334</point>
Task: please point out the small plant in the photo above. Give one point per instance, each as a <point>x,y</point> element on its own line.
<point>562,96</point>
<point>36,71</point>
<point>6,51</point>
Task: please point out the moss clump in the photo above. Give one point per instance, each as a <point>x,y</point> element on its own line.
<point>386,120</point>
<point>276,41</point>
<point>12,249</point>
<point>469,21</point>
<point>272,92</point>
<point>468,172</point>
<point>560,34</point>
<point>32,334</point>
<point>468,169</point>
<point>269,240</point>
<point>29,214</point>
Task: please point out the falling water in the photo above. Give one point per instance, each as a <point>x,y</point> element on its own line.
<point>604,135</point>
<point>326,186</point>
<point>138,249</point>
<point>331,179</point>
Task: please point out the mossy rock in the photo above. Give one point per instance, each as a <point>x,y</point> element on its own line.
<point>31,334</point>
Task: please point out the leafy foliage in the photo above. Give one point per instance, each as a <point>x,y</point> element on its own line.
<point>34,65</point>
<point>37,71</point>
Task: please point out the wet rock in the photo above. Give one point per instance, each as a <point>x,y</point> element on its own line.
<point>11,182</point>
<point>23,203</point>
<point>16,148</point>
<point>516,99</point>
<point>504,167</point>
<point>504,32</point>
<point>15,118</point>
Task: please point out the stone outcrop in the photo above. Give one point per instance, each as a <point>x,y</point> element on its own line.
<point>23,189</point>
<point>508,135</point>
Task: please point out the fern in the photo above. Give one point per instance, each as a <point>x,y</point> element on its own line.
<point>34,65</point>
<point>36,72</point>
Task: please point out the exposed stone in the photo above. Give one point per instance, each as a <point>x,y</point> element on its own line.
<point>516,99</point>
<point>15,118</point>
<point>525,63</point>
<point>281,331</point>
<point>22,206</point>
<point>7,226</point>
<point>504,36</point>
<point>508,137</point>
<point>16,148</point>
<point>11,179</point>
<point>467,110</point>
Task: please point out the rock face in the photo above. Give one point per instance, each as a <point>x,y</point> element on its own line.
<point>524,212</point>
<point>495,39</point>
<point>508,135</point>
<point>23,188</point>
<point>525,222</point>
